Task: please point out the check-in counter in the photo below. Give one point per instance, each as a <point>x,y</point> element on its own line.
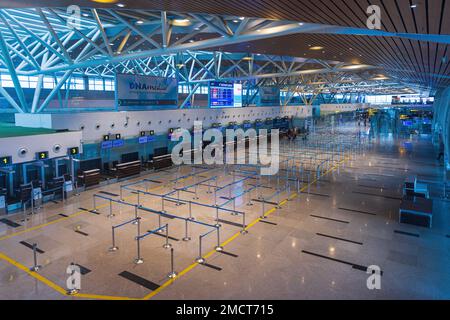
<point>163,161</point>
<point>127,169</point>
<point>89,177</point>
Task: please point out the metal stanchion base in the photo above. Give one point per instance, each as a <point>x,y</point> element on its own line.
<point>160,231</point>
<point>191,218</point>
<point>195,198</point>
<point>219,248</point>
<point>234,213</point>
<point>263,217</point>
<point>186,239</point>
<point>167,246</point>
<point>249,204</point>
<point>113,249</point>
<point>35,268</point>
<point>111,215</point>
<point>244,232</point>
<point>200,260</point>
<point>172,275</point>
<point>72,292</point>
<point>139,261</point>
<point>94,210</point>
<point>178,204</point>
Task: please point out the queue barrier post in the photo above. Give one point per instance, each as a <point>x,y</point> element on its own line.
<point>186,232</point>
<point>111,214</point>
<point>172,274</point>
<point>167,245</point>
<point>190,212</point>
<point>139,259</point>
<point>218,247</point>
<point>244,227</point>
<point>200,258</point>
<point>35,266</point>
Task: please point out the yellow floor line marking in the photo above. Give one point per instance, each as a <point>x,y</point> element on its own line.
<point>40,226</point>
<point>35,275</point>
<point>233,237</point>
<point>49,282</point>
<point>61,290</point>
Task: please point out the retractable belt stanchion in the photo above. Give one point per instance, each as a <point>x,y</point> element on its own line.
<point>138,260</point>
<point>172,274</point>
<point>186,232</point>
<point>218,247</point>
<point>111,214</point>
<point>113,231</point>
<point>35,266</point>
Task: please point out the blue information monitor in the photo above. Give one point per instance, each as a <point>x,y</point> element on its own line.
<point>225,95</point>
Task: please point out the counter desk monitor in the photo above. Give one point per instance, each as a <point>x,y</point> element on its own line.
<point>5,161</point>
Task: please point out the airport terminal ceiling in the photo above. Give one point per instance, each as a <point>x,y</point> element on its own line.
<point>409,52</point>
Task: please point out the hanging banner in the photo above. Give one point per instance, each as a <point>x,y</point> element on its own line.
<point>268,96</point>
<point>138,92</point>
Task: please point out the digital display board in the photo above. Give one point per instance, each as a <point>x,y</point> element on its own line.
<point>73,151</point>
<point>225,95</point>
<point>5,161</point>
<point>42,155</point>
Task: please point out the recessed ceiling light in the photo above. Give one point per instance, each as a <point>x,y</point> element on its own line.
<point>139,22</point>
<point>181,22</point>
<point>241,18</point>
<point>300,23</point>
<point>414,6</point>
<point>235,20</point>
<point>316,48</point>
<point>105,1</point>
<point>120,5</point>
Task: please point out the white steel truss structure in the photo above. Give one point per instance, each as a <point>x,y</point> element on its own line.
<point>67,42</point>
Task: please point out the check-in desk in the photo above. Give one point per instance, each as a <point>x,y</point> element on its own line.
<point>127,169</point>
<point>416,211</point>
<point>89,177</point>
<point>163,161</point>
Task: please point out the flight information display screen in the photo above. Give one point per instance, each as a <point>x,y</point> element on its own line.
<point>225,95</point>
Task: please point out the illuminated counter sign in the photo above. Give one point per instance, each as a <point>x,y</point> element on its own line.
<point>42,155</point>
<point>74,151</point>
<point>145,138</point>
<point>118,143</point>
<point>175,132</point>
<point>5,161</point>
<point>106,144</point>
<point>258,123</point>
<point>225,95</point>
<point>247,124</point>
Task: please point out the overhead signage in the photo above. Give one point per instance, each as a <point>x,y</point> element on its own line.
<point>139,92</point>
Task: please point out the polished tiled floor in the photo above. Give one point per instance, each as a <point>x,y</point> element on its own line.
<point>307,249</point>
